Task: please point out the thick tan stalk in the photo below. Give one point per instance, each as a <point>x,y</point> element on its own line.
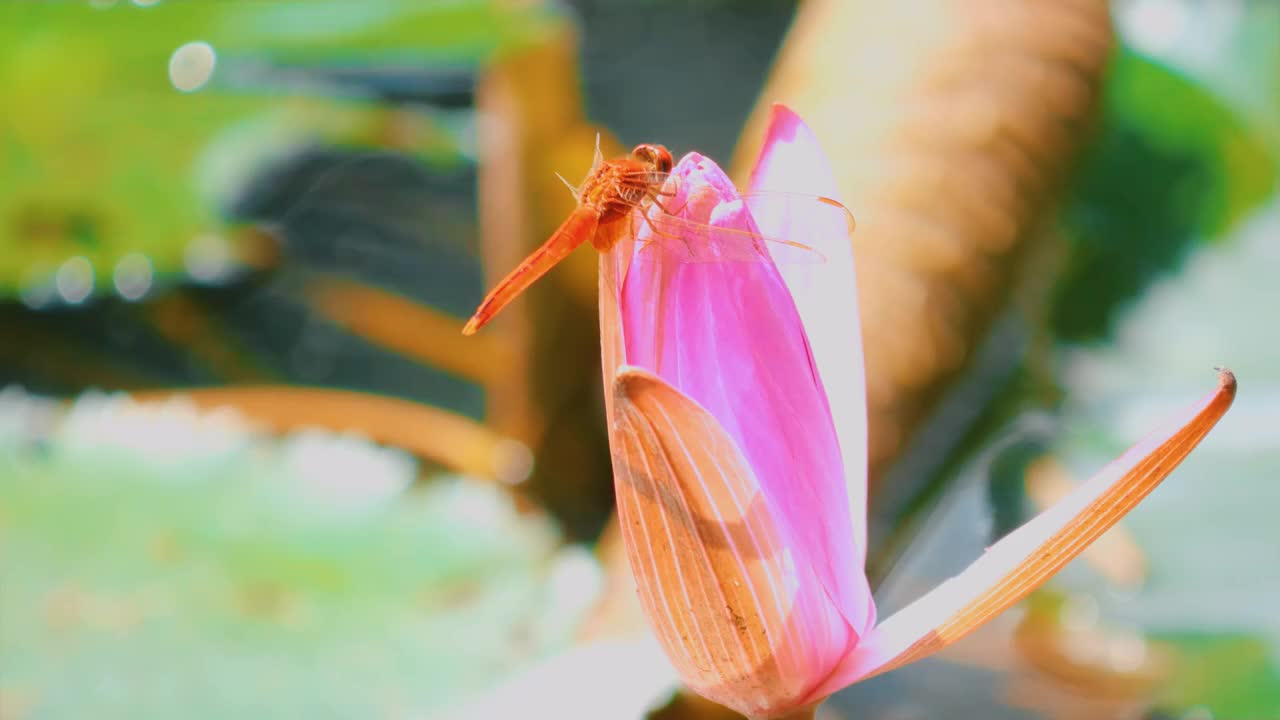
<point>949,124</point>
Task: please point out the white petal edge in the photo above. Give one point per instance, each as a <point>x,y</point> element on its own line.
<point>792,161</point>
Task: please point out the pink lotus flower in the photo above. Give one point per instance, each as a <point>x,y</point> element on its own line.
<point>737,423</point>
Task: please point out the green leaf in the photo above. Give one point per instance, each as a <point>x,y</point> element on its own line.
<point>1172,165</point>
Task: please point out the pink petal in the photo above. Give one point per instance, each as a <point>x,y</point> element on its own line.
<point>729,337</point>
<point>791,161</point>
<point>1030,555</point>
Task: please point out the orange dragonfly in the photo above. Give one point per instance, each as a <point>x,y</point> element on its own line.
<point>612,190</point>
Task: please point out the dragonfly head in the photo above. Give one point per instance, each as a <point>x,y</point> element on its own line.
<point>655,156</point>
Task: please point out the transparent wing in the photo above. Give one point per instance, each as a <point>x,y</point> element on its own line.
<point>798,215</point>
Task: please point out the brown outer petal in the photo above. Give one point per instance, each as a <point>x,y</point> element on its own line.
<point>715,578</point>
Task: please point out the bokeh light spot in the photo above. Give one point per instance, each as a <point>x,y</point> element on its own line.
<point>75,280</point>
<point>132,276</point>
<point>191,66</point>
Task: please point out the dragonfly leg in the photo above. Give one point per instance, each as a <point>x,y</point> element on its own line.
<point>656,231</point>
<point>655,194</point>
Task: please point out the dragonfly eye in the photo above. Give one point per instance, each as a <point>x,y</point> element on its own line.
<point>655,155</point>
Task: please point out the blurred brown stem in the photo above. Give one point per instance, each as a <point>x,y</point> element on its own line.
<point>950,125</point>
<point>433,434</point>
<point>547,392</point>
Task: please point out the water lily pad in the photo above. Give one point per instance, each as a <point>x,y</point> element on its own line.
<point>165,562</point>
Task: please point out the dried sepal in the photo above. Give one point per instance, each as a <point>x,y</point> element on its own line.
<point>745,622</point>
<point>1023,560</point>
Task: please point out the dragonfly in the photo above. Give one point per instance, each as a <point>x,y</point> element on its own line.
<point>619,197</point>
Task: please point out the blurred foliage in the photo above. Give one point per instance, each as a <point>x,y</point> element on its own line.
<point>163,562</point>
<point>1209,533</point>
<point>705,57</point>
<point>1171,225</point>
<point>331,140</point>
<point>1173,165</point>
<point>103,156</point>
<point>1227,676</point>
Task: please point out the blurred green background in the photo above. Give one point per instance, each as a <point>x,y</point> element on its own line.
<point>288,196</point>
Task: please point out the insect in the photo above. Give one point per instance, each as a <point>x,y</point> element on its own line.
<point>612,190</point>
